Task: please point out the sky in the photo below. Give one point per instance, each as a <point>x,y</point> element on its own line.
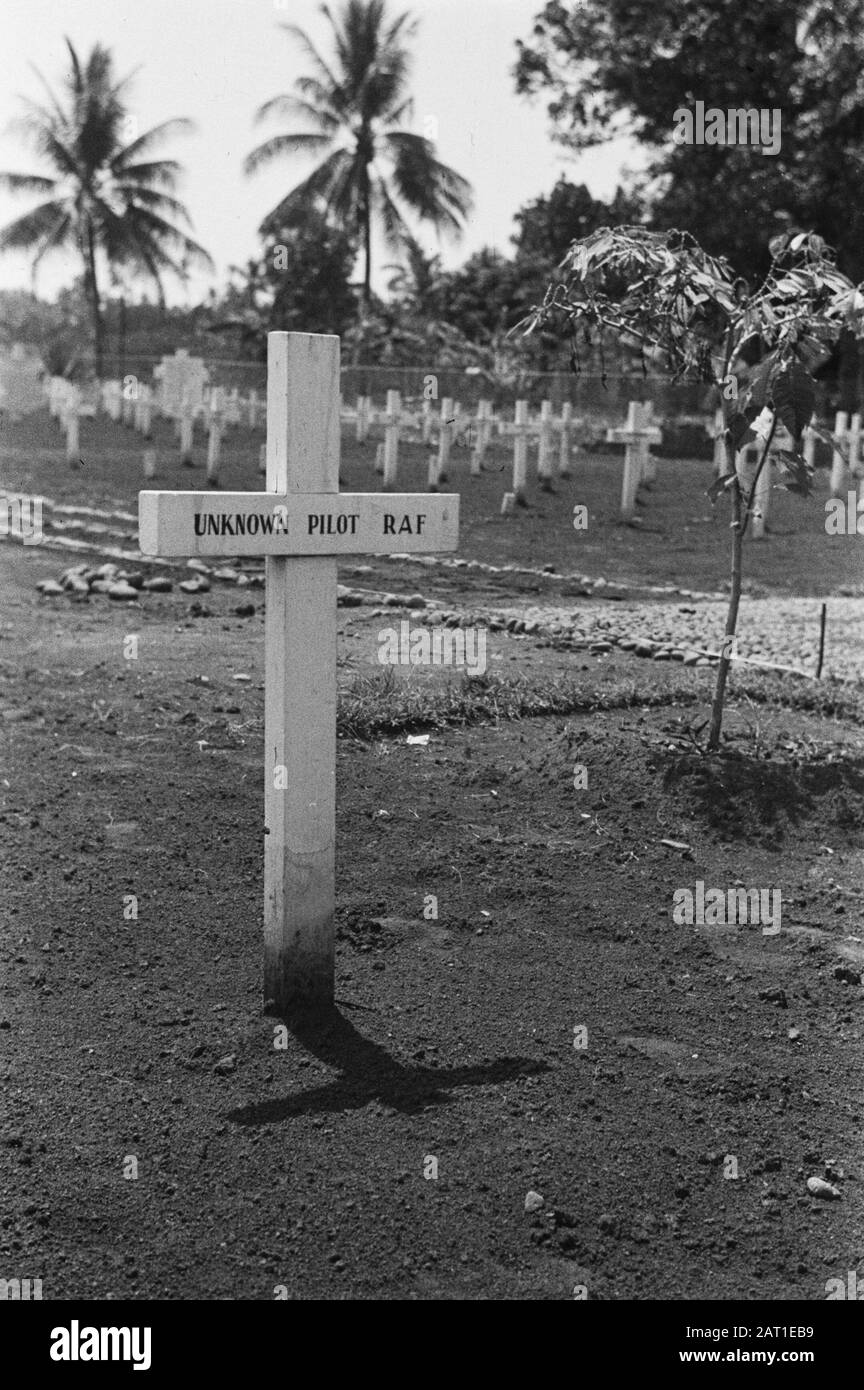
<point>217,61</point>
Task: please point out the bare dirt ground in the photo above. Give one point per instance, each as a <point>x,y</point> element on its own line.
<point>140,1044</point>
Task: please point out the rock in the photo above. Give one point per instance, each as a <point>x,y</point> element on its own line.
<point>133,577</point>
<point>644,648</point>
<point>533,1201</point>
<point>818,1187</point>
<point>346,598</point>
<point>107,571</point>
<point>226,1064</point>
<point>75,575</point>
<point>101,586</point>
<point>198,565</point>
<point>226,575</point>
<point>598,648</point>
<point>416,601</point>
<point>847,975</point>
<point>627,644</point>
<point>78,589</point>
<point>160,584</point>
<point>662,655</point>
<point>691,658</point>
<point>245,610</point>
<point>122,592</point>
<point>774,996</point>
<point>199,585</point>
<point>49,588</point>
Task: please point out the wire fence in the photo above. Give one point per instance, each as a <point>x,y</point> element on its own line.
<point>590,393</point>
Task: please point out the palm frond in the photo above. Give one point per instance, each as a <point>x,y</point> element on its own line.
<point>435,192</point>
<point>325,74</point>
<point>279,145</point>
<point>288,105</point>
<point>27,231</point>
<point>331,99</point>
<point>158,173</point>
<point>54,239</point>
<point>181,125</point>
<point>136,195</point>
<point>332,184</point>
<point>166,238</point>
<point>26,183</point>
<point>58,113</point>
<point>396,232</point>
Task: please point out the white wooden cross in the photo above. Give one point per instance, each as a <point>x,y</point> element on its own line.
<point>637,436</point>
<point>301,523</point>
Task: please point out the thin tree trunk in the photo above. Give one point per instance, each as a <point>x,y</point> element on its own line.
<point>95,305</point>
<point>367,249</point>
<point>731,623</point>
<point>740,519</point>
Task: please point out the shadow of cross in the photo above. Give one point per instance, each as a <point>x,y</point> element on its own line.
<point>370,1073</point>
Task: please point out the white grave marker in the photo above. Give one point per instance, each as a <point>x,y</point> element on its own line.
<point>181,376</point>
<point>21,389</point>
<point>301,523</point>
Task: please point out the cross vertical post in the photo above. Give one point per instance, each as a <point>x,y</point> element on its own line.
<point>303,441</point>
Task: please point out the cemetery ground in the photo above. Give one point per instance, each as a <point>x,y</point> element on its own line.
<point>308,1168</point>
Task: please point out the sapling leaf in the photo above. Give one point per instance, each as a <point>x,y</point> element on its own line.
<point>795,475</point>
<point>721,485</point>
<point>793,396</point>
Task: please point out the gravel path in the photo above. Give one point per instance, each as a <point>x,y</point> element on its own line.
<point>778,631</point>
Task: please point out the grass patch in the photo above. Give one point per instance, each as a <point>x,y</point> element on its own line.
<point>379,705</point>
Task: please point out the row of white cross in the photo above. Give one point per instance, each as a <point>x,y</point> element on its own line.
<point>440,426</point>
<point>847,464</point>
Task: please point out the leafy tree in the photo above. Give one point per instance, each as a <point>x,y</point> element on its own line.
<point>549,224</point>
<point>302,282</point>
<point>490,293</point>
<point>801,57</point>
<point>417,281</point>
<point>355,105</point>
<point>690,312</point>
<point>107,199</point>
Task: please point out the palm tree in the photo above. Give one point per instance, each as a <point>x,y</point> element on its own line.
<point>416,280</point>
<point>107,200</point>
<point>354,104</point>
